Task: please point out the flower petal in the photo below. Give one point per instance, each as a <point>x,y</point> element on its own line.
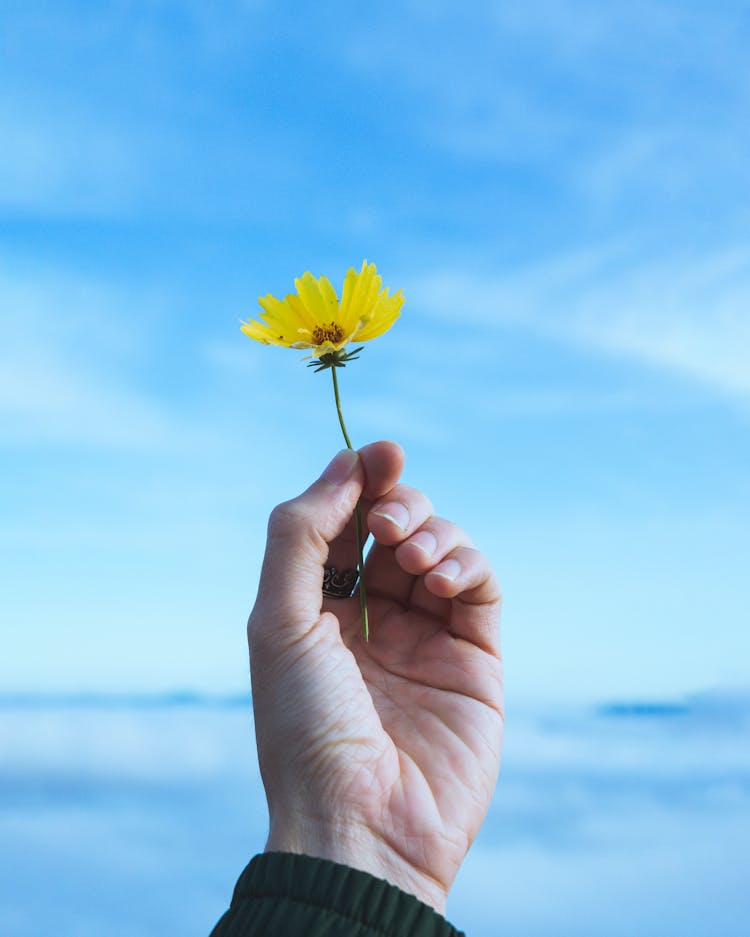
<point>357,287</point>
<point>330,299</point>
<point>385,312</point>
<point>262,333</point>
<point>298,314</point>
<point>318,298</point>
<point>278,314</point>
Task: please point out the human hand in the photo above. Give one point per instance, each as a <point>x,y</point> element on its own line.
<point>381,755</point>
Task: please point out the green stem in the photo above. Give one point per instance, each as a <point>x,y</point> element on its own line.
<point>357,519</point>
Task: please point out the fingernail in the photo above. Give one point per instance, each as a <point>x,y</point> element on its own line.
<point>396,513</point>
<point>450,569</point>
<point>341,467</point>
<point>425,541</point>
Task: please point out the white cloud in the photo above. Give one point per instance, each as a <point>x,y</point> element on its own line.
<point>614,103</point>
<point>108,125</point>
<point>64,363</point>
<point>55,159</point>
<point>689,315</point>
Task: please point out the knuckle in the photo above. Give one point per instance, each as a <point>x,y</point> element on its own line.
<point>284,517</point>
<point>495,589</point>
<point>413,495</point>
<point>292,523</point>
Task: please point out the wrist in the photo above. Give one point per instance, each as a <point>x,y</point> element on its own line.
<point>359,848</point>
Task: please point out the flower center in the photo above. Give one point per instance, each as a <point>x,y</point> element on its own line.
<point>327,333</point>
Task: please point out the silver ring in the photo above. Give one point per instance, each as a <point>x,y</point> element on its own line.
<point>339,584</point>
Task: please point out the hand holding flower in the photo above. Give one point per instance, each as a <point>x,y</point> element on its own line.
<point>381,755</point>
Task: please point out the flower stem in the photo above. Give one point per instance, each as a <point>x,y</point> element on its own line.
<point>357,519</point>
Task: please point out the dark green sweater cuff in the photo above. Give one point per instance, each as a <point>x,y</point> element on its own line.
<point>283,895</point>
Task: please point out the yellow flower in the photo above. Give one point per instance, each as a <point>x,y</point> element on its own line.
<point>314,318</point>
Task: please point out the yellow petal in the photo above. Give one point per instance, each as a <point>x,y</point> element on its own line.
<point>330,299</point>
<point>277,323</point>
<point>363,304</point>
<point>261,333</point>
<point>276,314</point>
<point>356,285</point>
<point>317,300</point>
<point>387,309</point>
<point>298,314</point>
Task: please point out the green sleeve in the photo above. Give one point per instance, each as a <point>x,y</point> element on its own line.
<point>285,895</point>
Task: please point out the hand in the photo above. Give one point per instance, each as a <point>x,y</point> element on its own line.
<point>382,755</point>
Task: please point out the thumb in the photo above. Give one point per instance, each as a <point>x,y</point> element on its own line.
<point>299,531</point>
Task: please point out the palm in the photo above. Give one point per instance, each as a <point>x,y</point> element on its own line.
<point>434,740</point>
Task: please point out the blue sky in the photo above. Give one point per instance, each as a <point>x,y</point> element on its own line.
<point>561,192</point>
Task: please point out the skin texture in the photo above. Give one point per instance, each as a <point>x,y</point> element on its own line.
<point>381,755</point>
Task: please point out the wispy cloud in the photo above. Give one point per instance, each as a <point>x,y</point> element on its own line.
<point>65,360</point>
<point>612,101</point>
<point>57,159</point>
<point>103,128</point>
<point>688,315</point>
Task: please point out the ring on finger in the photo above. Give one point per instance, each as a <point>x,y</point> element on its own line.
<point>339,584</point>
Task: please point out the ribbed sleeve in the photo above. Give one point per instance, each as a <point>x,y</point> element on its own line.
<point>284,895</point>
